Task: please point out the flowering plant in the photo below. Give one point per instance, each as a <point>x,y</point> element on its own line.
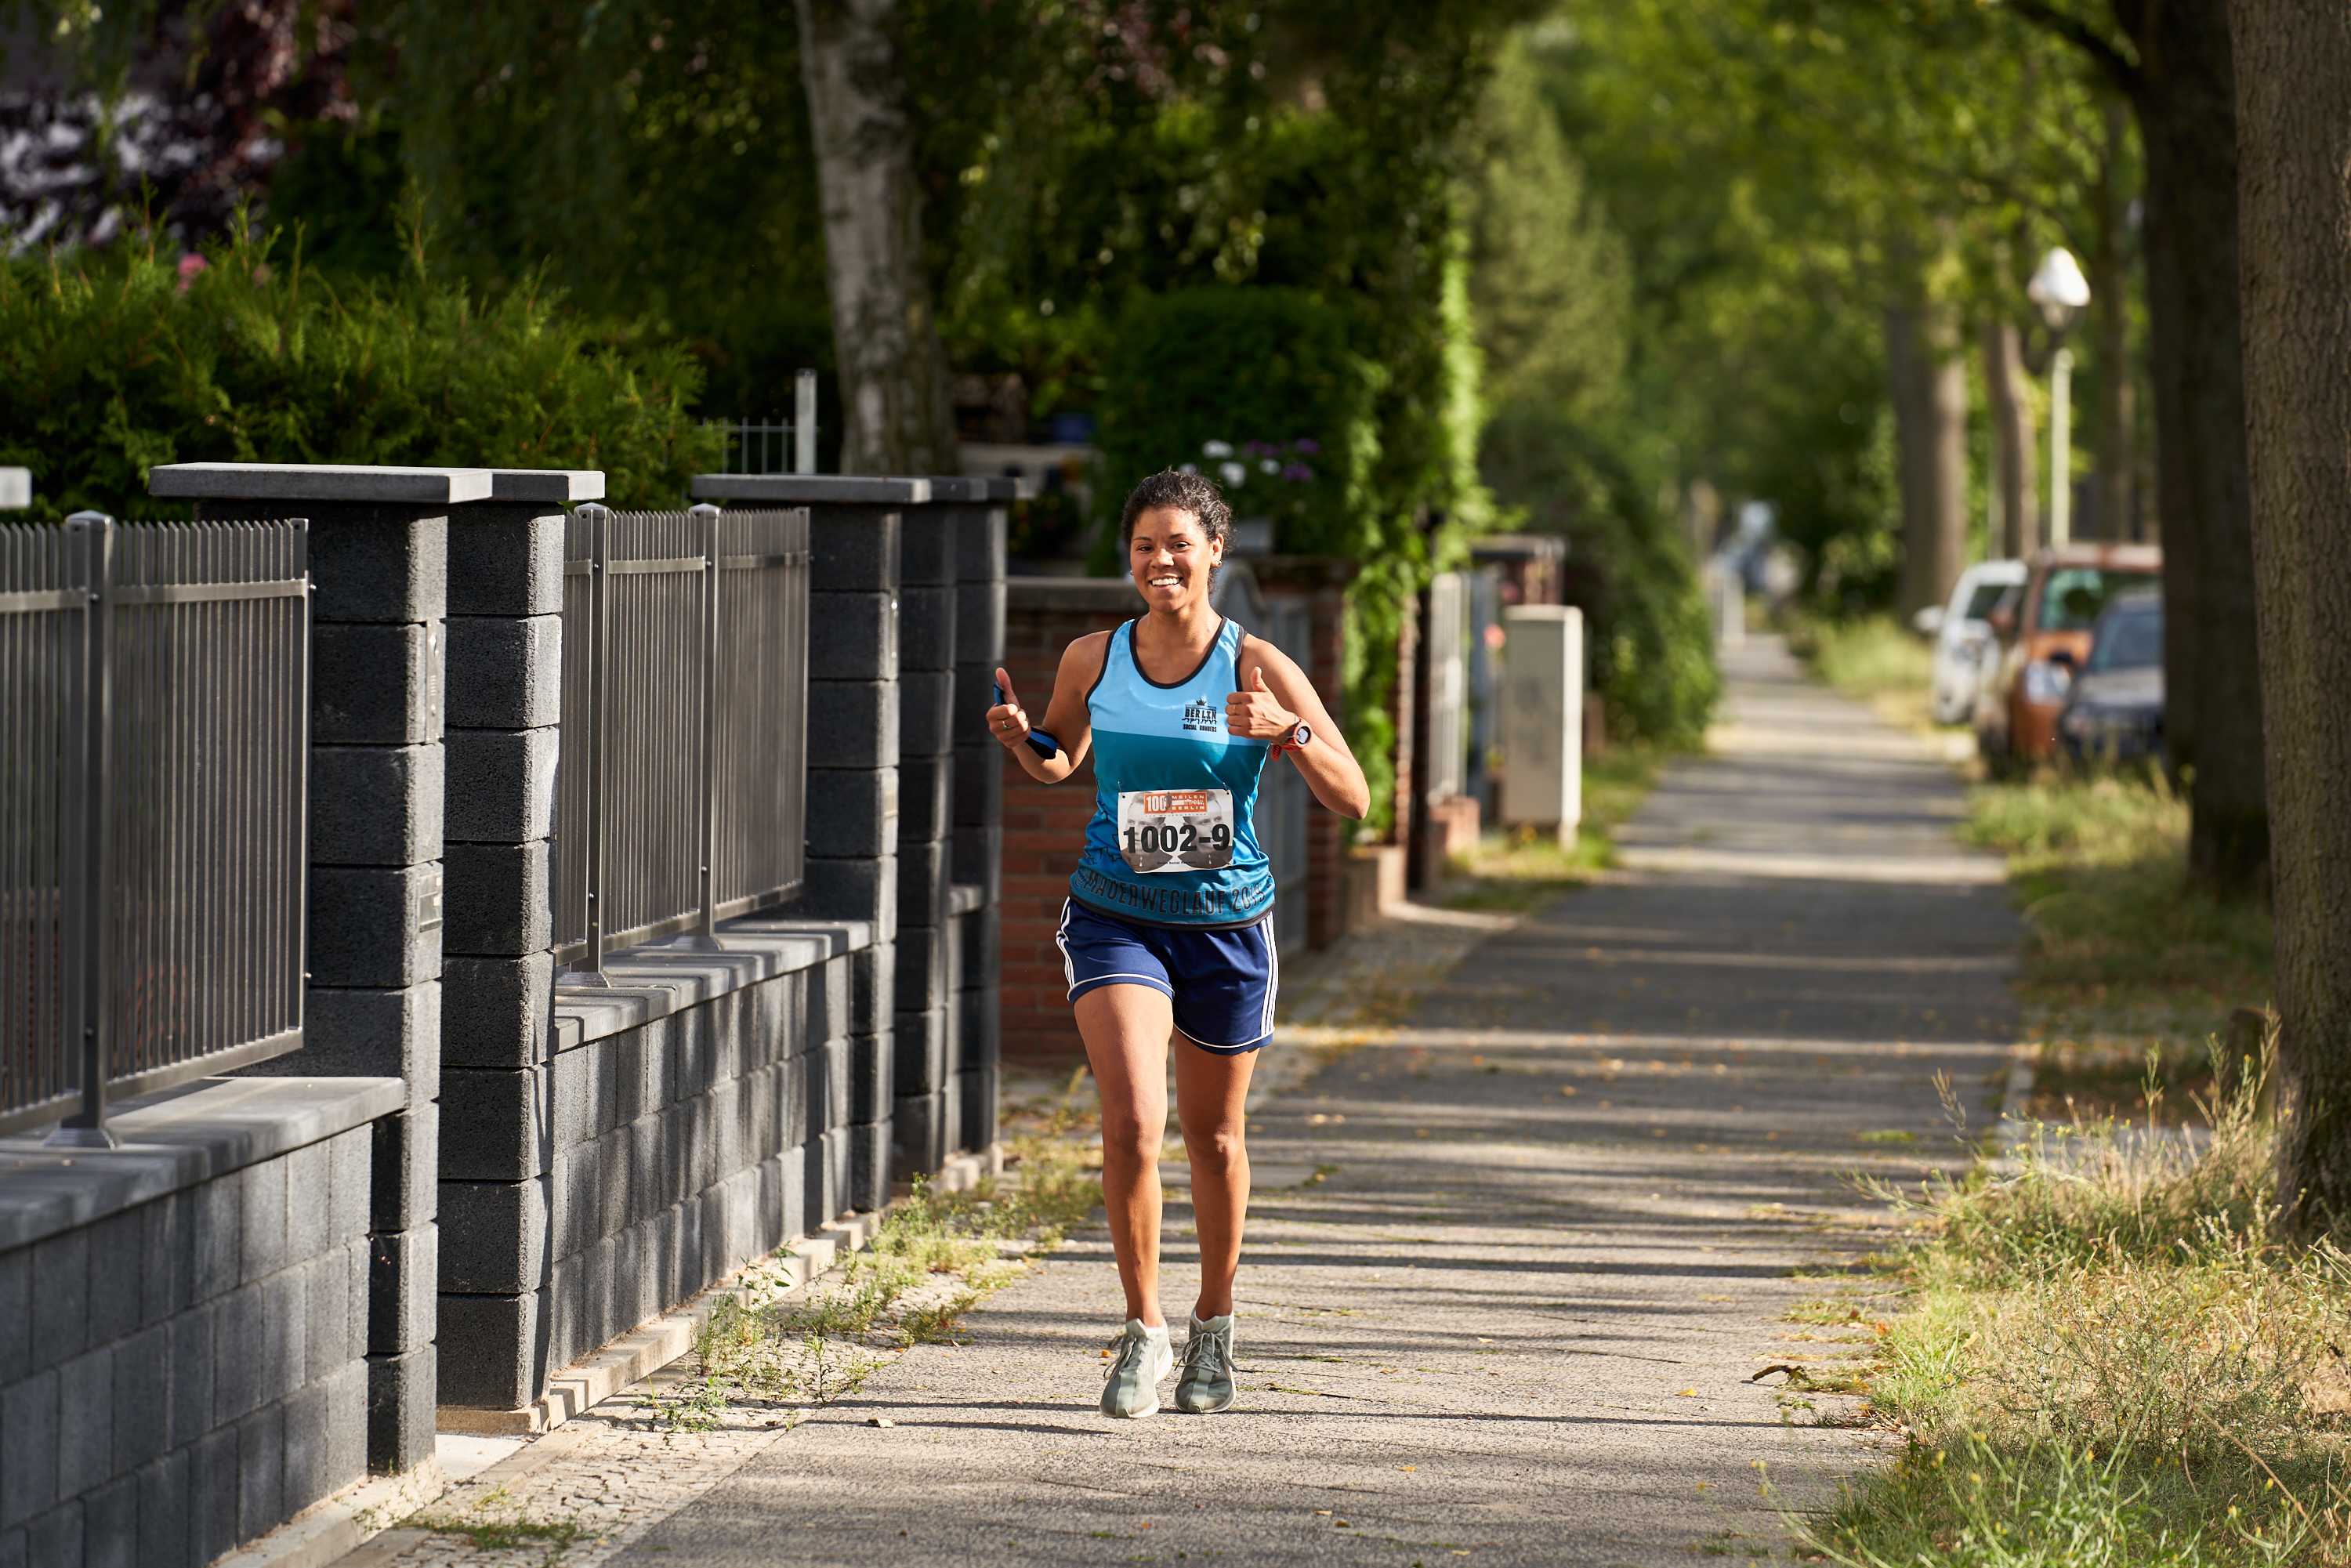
<point>1279,475</point>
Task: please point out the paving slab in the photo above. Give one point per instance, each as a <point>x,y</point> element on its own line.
<point>1519,1252</point>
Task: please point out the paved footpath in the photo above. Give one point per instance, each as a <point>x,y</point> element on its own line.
<point>1514,1261</point>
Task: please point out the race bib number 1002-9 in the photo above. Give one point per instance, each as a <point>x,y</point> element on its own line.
<point>1175,829</point>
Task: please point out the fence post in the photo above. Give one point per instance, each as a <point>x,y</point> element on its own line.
<point>90,868</point>
<point>599,781</point>
<point>804,423</point>
<point>706,517</point>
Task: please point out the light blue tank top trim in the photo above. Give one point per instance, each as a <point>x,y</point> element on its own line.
<point>1149,737</point>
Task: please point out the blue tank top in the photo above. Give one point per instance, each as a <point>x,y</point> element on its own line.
<point>1174,836</point>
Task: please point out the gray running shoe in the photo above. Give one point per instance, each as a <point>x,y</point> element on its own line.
<point>1207,1386</point>
<point>1141,1357</point>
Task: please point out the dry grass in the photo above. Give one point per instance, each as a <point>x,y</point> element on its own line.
<point>2109,1357</point>
<point>2124,962</point>
<point>1874,659</point>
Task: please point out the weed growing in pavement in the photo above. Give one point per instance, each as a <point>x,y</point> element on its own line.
<point>2108,1356</point>
<point>488,1529</point>
<point>935,1257</point>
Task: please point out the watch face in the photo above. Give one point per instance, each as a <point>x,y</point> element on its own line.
<point>1300,736</point>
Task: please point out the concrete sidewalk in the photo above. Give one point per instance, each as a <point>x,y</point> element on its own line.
<point>1512,1263</point>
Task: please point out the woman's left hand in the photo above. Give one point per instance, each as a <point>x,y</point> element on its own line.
<point>1257,713</point>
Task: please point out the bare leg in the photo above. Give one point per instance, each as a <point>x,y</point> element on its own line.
<point>1127,1029</point>
<point>1211,1102</point>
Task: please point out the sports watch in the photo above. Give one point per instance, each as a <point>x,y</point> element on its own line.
<point>1298,739</point>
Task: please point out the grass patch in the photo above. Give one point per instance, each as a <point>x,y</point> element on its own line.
<point>2109,1356</point>
<point>936,1257</point>
<point>2128,969</point>
<point>2105,1352</point>
<point>1874,659</point>
<point>1520,871</point>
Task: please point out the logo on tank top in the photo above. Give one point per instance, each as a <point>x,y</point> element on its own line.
<point>1203,717</point>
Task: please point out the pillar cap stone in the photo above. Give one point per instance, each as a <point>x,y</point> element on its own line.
<point>354,483</point>
<point>557,485</point>
<point>811,489</point>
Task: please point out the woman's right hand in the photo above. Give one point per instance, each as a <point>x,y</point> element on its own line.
<point>1007,721</point>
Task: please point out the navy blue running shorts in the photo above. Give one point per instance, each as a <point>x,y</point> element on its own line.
<point>1222,983</point>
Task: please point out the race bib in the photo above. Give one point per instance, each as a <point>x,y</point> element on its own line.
<point>1175,829</point>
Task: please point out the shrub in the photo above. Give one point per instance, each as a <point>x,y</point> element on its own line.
<point>113,362</point>
<point>1271,374</point>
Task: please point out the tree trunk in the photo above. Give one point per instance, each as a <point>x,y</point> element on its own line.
<point>2112,510</point>
<point>893,385</point>
<point>2185,100</point>
<point>1930,389</point>
<point>2012,439</point>
<point>2294,106</point>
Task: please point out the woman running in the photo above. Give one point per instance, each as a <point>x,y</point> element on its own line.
<point>1168,929</point>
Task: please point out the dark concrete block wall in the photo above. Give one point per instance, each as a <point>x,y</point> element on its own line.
<point>185,1323</point>
<point>663,1140</point>
<point>869,606</point>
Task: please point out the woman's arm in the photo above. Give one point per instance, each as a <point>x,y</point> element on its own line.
<point>1276,697</point>
<point>1067,720</point>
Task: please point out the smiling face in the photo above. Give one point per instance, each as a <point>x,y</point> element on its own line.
<point>1170,555</point>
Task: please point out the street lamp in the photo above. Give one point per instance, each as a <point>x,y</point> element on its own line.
<point>2059,291</point>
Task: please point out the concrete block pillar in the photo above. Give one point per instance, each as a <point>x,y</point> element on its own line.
<point>503,736</point>
<point>975,864</point>
<point>925,1010</point>
<point>858,700</point>
<point>378,758</point>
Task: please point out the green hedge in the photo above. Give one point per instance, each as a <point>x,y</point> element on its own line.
<point>113,362</point>
<point>1269,373</point>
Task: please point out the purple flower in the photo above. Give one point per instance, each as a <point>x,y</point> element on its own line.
<point>1297,473</point>
<point>1308,444</point>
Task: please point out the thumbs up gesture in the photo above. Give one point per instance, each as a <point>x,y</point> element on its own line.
<point>1007,721</point>
<point>1257,712</point>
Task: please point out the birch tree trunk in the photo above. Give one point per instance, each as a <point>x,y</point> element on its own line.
<point>894,387</point>
<point>2293,106</point>
<point>2012,446</point>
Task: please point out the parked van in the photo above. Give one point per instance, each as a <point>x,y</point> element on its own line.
<point>1962,633</point>
<point>2045,636</point>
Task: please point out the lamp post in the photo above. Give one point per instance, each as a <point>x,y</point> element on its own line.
<point>2060,292</point>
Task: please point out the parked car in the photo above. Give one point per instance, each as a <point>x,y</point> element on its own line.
<point>2114,709</point>
<point>1962,634</point>
<point>2044,640</point>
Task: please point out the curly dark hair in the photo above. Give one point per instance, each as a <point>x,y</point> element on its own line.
<point>1194,493</point>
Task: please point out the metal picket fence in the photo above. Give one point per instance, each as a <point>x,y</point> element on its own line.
<point>680,789</point>
<point>155,768</point>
